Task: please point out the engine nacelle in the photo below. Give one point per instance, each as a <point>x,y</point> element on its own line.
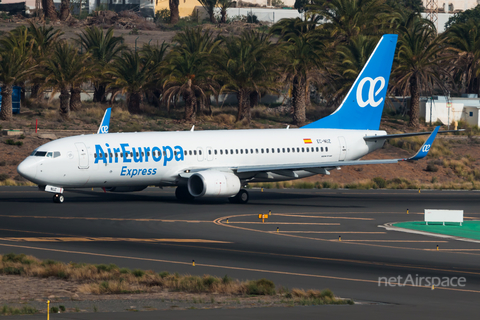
<point>210,183</point>
<point>126,189</point>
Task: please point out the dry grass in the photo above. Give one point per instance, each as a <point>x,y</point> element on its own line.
<point>110,279</point>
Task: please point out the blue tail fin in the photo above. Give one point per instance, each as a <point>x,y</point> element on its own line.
<point>105,122</point>
<point>362,107</point>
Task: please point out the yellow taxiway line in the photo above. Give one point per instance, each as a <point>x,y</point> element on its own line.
<point>104,239</point>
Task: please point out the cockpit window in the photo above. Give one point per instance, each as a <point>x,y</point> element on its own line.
<point>49,155</point>
<point>56,154</point>
<point>40,153</point>
<point>33,152</point>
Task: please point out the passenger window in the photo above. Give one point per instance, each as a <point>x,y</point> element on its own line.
<point>313,149</point>
<point>283,150</point>
<point>293,149</point>
<point>95,155</point>
<point>200,152</point>
<point>221,151</point>
<point>236,151</point>
<point>303,149</point>
<point>106,155</point>
<point>262,150</point>
<point>209,151</point>
<point>317,149</point>
<point>185,152</point>
<point>143,154</point>
<point>288,149</point>
<point>246,151</point>
<point>251,150</point>
<point>56,154</point>
<point>266,150</point>
<point>116,155</point>
<point>273,150</point>
<point>190,152</point>
<point>308,149</point>
<point>215,151</point>
<point>278,150</point>
<point>256,150</point>
<point>111,155</point>
<point>164,153</point>
<point>298,149</point>
<point>321,149</point>
<point>226,151</point>
<point>231,151</point>
<point>326,149</point>
<point>195,152</point>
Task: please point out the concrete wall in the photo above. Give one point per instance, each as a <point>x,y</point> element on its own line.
<point>460,110</point>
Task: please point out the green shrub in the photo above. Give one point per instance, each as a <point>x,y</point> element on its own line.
<point>106,268</point>
<point>164,274</point>
<point>11,142</point>
<point>54,310</point>
<point>209,281</point>
<point>4,176</point>
<point>12,257</point>
<point>62,308</point>
<point>124,270</point>
<point>380,182</point>
<point>138,273</point>
<point>431,168</point>
<point>13,271</point>
<point>226,279</point>
<point>49,262</point>
<point>261,287</point>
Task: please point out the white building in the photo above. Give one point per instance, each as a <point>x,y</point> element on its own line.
<point>449,110</point>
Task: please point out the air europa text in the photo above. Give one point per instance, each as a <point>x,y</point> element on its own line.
<point>127,154</point>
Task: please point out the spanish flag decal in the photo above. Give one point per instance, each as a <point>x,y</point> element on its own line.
<point>307,141</point>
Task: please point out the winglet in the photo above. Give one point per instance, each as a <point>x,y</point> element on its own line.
<point>105,122</point>
<point>422,153</point>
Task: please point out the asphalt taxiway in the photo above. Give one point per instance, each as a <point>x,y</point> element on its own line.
<point>151,230</point>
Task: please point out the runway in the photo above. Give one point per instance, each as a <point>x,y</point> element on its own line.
<point>325,239</point>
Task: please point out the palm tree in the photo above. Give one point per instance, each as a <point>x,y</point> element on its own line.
<point>65,69</point>
<point>189,69</point>
<point>463,40</point>
<point>156,55</point>
<point>15,65</point>
<point>104,47</point>
<point>302,60</point>
<point>352,57</point>
<point>44,39</point>
<point>349,18</point>
<point>246,65</point>
<point>65,10</point>
<point>130,74</point>
<point>209,6</point>
<point>174,14</point>
<point>224,5</point>
<point>49,10</point>
<point>418,62</point>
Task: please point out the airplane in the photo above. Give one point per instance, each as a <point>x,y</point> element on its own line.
<point>218,163</point>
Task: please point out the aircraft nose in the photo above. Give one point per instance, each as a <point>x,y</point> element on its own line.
<point>27,169</point>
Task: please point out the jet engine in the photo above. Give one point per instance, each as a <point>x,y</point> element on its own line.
<point>210,183</point>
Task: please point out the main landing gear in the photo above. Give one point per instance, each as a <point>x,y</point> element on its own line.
<point>182,194</point>
<point>58,198</point>
<point>241,197</point>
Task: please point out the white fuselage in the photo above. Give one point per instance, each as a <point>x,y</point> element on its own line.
<point>157,158</point>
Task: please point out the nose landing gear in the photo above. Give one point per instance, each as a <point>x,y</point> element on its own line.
<point>58,198</point>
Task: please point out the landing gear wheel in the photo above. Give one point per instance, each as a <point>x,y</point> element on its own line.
<point>182,194</point>
<point>58,198</point>
<point>241,197</point>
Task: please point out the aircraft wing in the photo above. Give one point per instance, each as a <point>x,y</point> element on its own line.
<point>105,122</point>
<point>319,167</point>
<point>404,135</point>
